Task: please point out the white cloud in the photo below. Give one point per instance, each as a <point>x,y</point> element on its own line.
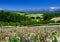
<point>54,8</point>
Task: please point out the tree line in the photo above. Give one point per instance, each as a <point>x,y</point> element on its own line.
<point>12,18</point>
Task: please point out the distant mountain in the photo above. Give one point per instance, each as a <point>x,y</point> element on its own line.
<point>51,9</point>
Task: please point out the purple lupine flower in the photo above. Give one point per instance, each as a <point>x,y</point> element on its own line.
<point>27,40</point>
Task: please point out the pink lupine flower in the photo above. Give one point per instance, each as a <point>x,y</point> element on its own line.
<point>38,33</point>
<point>43,40</point>
<point>42,34</point>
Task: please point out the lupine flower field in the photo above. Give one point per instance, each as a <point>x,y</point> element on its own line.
<point>30,34</point>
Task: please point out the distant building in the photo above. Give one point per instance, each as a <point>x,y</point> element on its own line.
<point>56,19</point>
<point>35,16</point>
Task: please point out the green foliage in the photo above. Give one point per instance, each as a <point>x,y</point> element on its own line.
<point>48,16</point>
<point>11,18</point>
<point>15,19</point>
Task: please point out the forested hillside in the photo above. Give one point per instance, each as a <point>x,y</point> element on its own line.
<point>11,18</point>
<point>14,19</point>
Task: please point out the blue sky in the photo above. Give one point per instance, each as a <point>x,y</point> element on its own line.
<point>28,4</point>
